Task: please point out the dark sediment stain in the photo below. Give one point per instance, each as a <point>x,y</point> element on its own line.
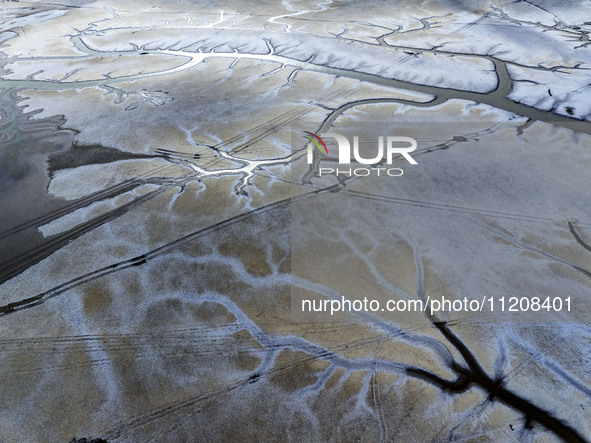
<point>252,256</point>
<point>96,299</point>
<point>82,155</point>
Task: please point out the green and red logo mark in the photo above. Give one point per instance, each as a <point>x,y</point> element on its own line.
<point>394,145</point>
<point>315,142</point>
<point>387,148</point>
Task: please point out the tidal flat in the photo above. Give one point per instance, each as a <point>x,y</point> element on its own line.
<point>164,216</point>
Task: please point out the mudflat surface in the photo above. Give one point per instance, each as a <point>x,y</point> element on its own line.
<point>161,224</point>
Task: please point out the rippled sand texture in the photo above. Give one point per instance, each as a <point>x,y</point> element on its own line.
<point>158,215</point>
